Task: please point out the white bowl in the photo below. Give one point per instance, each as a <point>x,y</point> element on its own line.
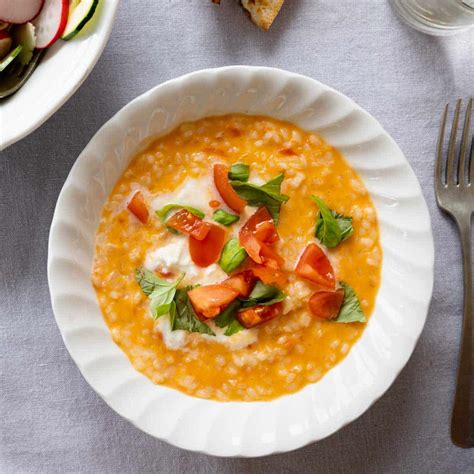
<point>63,68</point>
<point>292,421</point>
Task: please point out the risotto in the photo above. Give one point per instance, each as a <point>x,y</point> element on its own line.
<point>237,258</point>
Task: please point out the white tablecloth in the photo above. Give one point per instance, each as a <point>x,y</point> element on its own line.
<point>50,419</point>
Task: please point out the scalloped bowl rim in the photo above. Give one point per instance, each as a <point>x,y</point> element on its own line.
<point>291,421</point>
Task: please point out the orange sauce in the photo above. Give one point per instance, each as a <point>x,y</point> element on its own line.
<point>294,349</point>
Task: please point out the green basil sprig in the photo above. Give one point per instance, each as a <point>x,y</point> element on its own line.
<point>331,228</point>
<point>161,292</point>
<point>184,316</point>
<point>264,295</point>
<point>164,211</point>
<point>351,311</point>
<point>268,195</point>
<point>239,172</point>
<point>224,217</point>
<point>228,318</point>
<point>232,256</point>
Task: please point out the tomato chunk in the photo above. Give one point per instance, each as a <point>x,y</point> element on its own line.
<point>258,314</point>
<point>187,223</point>
<point>207,251</point>
<point>209,301</point>
<point>137,206</point>
<point>256,235</point>
<point>266,232</point>
<point>242,282</point>
<point>227,192</point>
<point>268,275</point>
<point>326,304</point>
<point>315,266</point>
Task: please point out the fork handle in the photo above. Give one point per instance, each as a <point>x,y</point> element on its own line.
<point>462,423</point>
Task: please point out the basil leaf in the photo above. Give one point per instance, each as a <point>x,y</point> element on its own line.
<point>239,172</point>
<point>264,295</point>
<point>228,318</point>
<point>172,314</point>
<point>162,297</point>
<point>325,225</point>
<point>268,195</point>
<point>232,256</point>
<point>148,281</point>
<point>233,328</point>
<point>225,218</point>
<point>185,318</point>
<point>345,224</point>
<point>164,211</point>
<point>228,315</point>
<point>350,311</point>
<point>327,229</point>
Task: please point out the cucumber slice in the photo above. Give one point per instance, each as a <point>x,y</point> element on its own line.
<point>81,11</point>
<point>10,57</point>
<point>24,35</point>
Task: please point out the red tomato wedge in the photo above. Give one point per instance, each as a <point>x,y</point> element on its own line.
<point>313,265</point>
<point>138,208</point>
<point>209,301</point>
<point>256,235</point>
<point>258,314</point>
<point>266,231</point>
<point>268,275</point>
<point>227,192</point>
<point>259,224</point>
<point>207,251</point>
<point>187,223</point>
<point>326,304</point>
<point>242,282</point>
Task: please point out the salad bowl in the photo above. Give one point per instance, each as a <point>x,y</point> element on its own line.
<point>318,410</point>
<point>62,69</point>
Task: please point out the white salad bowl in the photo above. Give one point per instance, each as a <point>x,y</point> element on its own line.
<point>61,71</point>
<point>345,392</point>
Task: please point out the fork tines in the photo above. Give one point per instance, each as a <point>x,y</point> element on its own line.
<point>457,168</point>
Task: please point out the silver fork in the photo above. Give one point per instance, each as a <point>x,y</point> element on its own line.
<point>454,184</point>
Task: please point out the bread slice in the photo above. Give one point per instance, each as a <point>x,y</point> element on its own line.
<point>263,12</point>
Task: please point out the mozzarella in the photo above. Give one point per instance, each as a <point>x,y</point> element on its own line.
<point>174,257</point>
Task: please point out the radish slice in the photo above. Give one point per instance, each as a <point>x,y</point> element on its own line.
<point>5,43</point>
<point>51,22</point>
<point>19,11</point>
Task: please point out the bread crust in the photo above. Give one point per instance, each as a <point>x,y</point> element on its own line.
<point>263,12</point>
